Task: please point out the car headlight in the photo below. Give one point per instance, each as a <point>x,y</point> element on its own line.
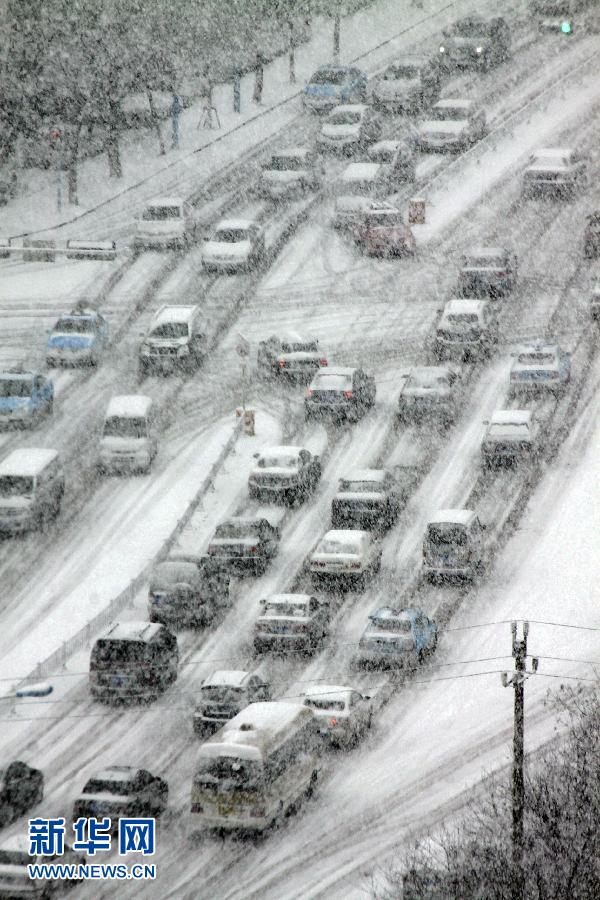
<point>478,49</point>
<point>183,351</point>
<point>442,49</point>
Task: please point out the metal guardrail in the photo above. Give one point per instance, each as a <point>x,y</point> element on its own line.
<point>82,638</point>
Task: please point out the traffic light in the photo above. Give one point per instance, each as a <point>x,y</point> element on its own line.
<point>566,26</point>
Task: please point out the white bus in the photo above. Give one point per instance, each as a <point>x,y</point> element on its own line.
<point>261,763</point>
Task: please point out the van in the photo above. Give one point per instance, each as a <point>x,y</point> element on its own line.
<point>454,545</point>
<point>128,439</point>
<point>133,660</point>
<point>166,222</point>
<point>32,484</point>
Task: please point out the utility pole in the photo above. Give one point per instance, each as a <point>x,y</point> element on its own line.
<point>519,652</point>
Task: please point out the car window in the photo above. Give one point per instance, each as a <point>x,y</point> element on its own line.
<point>345,117</point>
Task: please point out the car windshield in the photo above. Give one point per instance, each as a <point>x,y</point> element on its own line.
<point>323,703</point>
<point>361,487</point>
<point>278,462</point>
<point>170,330</point>
<point>168,574</point>
<point>230,773</point>
<point>448,113</point>
<point>16,387</point>
<point>447,533</point>
<point>107,652</point>
<point>236,530</point>
<point>536,359</point>
<point>390,624</point>
<point>483,262</point>
<point>75,326</point>
<point>107,786</point>
<point>161,213</point>
<point>472,29</point>
<point>384,220</point>
<point>16,486</point>
<point>287,163</point>
<point>306,347</point>
<point>383,155</point>
<point>462,318</point>
<point>221,693</point>
<point>345,117</point>
<point>230,235</point>
<point>292,610</point>
<point>332,383</point>
<point>120,426</point>
<point>329,76</point>
<point>333,546</point>
<point>14,858</point>
<point>397,73</point>
<point>427,380</point>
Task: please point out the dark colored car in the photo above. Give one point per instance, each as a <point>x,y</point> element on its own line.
<point>21,787</point>
<point>284,473</point>
<point>429,393</point>
<point>133,661</point>
<point>409,85</point>
<point>291,622</point>
<point>343,393</point>
<point>187,590</point>
<point>291,355</point>
<point>224,694</point>
<point>122,791</point>
<point>366,498</point>
<point>474,42</point>
<point>245,544</point>
<point>487,272</point>
<point>591,236</point>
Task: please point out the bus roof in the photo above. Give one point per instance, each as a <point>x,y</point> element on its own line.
<point>27,461</point>
<point>256,731</point>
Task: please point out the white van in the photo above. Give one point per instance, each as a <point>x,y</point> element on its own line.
<point>129,434</point>
<point>166,222</point>
<point>32,484</point>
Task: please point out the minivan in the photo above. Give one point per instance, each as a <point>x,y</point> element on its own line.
<point>32,484</point>
<point>133,660</point>
<point>128,439</point>
<point>454,545</point>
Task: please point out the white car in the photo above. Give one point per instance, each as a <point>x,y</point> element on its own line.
<point>451,124</point>
<point>555,170</point>
<point>166,222</point>
<point>284,473</point>
<point>540,367</point>
<point>358,190</point>
<point>344,557</point>
<point>510,435</point>
<point>343,715</point>
<point>466,328</point>
<point>233,245</point>
<point>289,173</point>
<point>349,128</point>
<point>398,161</point>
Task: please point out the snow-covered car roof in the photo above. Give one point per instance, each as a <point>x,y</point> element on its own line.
<point>131,631</point>
<point>242,224</point>
<point>349,107</point>
<point>361,171</point>
<point>300,152</point>
<point>465,306</point>
<point>81,312</point>
<point>28,461</point>
<point>389,612</point>
<point>511,417</point>
<point>283,450</point>
<point>129,406</point>
<point>453,103</point>
<point>174,314</point>
<point>409,59</point>
<point>226,678</point>
<point>538,347</point>
<point>558,152</point>
<point>327,692</point>
<point>335,370</point>
<point>293,337</point>
<point>299,599</point>
<point>347,535</point>
<point>387,144</point>
<point>377,475</point>
<point>452,517</point>
<point>166,201</point>
<point>480,251</point>
<point>420,372</point>
<point>115,773</point>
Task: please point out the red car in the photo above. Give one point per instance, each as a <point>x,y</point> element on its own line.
<point>381,232</point>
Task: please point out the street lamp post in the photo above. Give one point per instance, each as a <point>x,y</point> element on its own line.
<point>56,136</point>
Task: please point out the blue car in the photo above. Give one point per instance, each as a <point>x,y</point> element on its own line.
<point>397,637</point>
<point>333,85</point>
<point>25,398</point>
<point>78,338</point>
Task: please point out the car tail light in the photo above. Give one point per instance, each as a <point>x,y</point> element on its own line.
<point>197,808</point>
<point>281,363</point>
<point>212,550</point>
<point>258,812</point>
<point>309,392</point>
<point>348,395</point>
<point>355,565</point>
<point>554,375</point>
<point>333,721</point>
<point>514,376</point>
<point>252,549</point>
<point>322,362</point>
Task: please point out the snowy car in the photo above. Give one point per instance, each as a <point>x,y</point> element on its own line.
<point>284,473</point>
<point>358,190</point>
<point>224,694</point>
<point>78,338</point>
<point>15,881</point>
<point>340,393</point>
<point>487,272</point>
<point>559,171</point>
<point>187,590</point>
<point>332,85</point>
<point>467,329</point>
<point>21,788</point>
<point>429,392</point>
<point>398,160</point>
<point>245,544</point>
<point>366,498</point>
<point>382,232</point>
<point>25,397</point>
<point>290,172</point>
<point>344,558</point>
<point>474,42</point>
<point>397,637</point>
<point>511,436</point>
<point>234,245</point>
<point>349,128</point>
<point>539,367</point>
<point>176,341</point>
<point>454,546</point>
<point>408,84</point>
<point>166,222</point>
<point>291,622</point>
<point>343,714</point>
<point>595,303</point>
<point>591,236</point>
<point>452,124</point>
<point>121,791</point>
<point>290,355</point>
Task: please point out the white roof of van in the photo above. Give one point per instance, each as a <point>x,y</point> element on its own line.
<point>225,677</point>
<point>511,417</point>
<point>174,314</point>
<point>452,103</point>
<point>27,461</point>
<point>361,171</point>
<point>452,517</point>
<point>487,251</point>
<point>166,201</point>
<point>234,223</point>
<point>129,406</point>
<point>464,306</point>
